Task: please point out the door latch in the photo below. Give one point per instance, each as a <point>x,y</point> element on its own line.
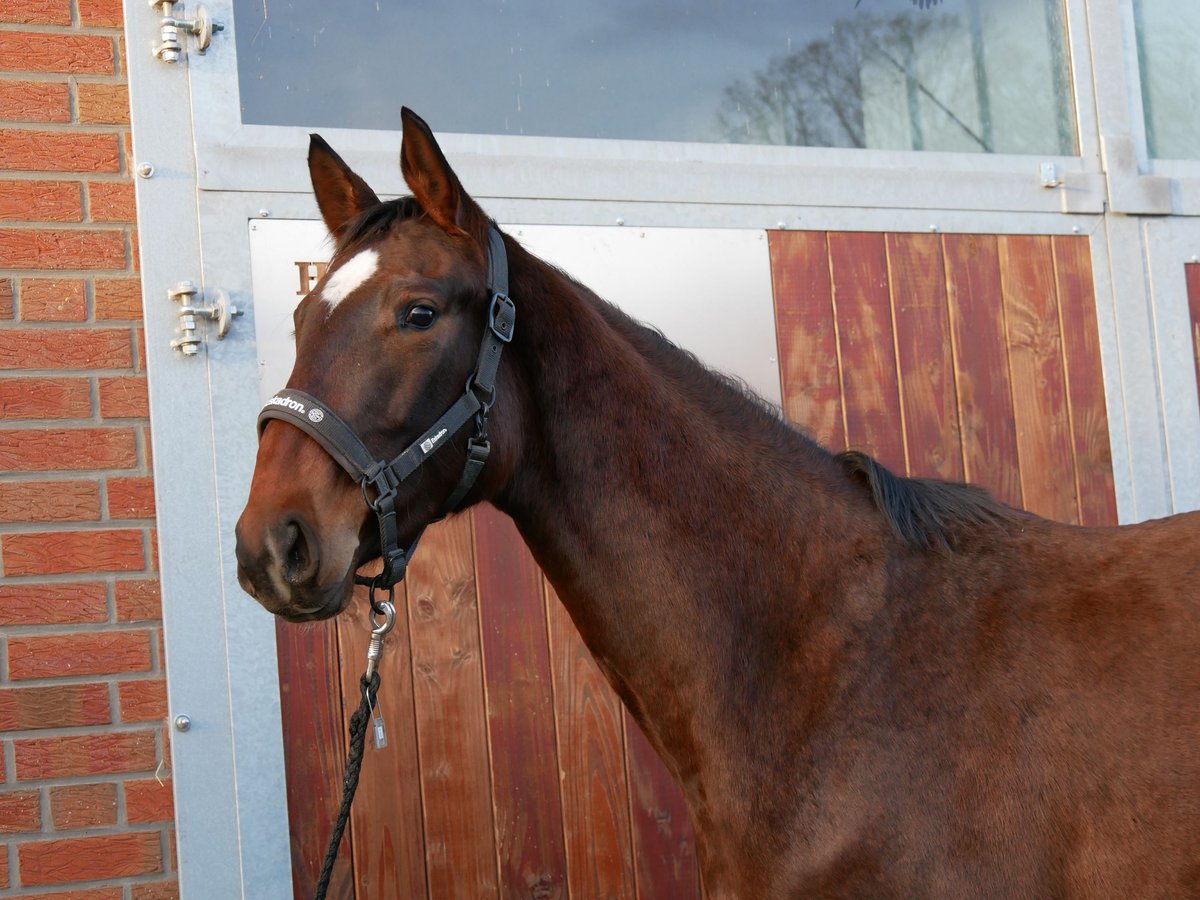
<point>222,312</point>
<point>202,28</point>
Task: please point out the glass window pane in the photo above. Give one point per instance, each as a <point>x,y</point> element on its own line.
<point>1168,33</point>
<point>964,75</point>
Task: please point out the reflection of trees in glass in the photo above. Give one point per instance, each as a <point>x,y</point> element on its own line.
<point>814,96</point>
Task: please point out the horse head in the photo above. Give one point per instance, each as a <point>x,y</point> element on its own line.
<point>387,342</point>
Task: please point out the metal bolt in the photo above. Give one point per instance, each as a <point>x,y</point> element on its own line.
<point>182,723</point>
<point>146,170</point>
<point>933,228</point>
<point>264,213</point>
<point>1075,229</point>
<point>781,224</point>
<point>620,220</point>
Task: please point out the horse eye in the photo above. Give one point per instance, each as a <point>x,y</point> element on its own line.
<point>420,317</point>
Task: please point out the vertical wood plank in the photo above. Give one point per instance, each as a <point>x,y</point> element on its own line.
<point>866,346</point>
<point>1039,387</point>
<point>591,753</point>
<point>1192,273</point>
<point>525,770</point>
<point>1085,379</point>
<point>314,751</point>
<point>808,362</point>
<point>981,377</point>
<point>386,819</point>
<point>926,363</point>
<point>451,715</point>
<point>664,842</point>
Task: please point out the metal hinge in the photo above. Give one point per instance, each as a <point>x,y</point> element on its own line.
<point>222,312</point>
<point>202,27</point>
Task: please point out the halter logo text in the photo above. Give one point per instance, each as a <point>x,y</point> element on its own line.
<point>427,444</point>
<point>289,403</point>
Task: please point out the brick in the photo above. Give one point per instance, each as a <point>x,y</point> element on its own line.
<point>57,603</point>
<point>57,248</point>
<point>131,498</point>
<point>49,501</point>
<point>35,101</point>
<point>90,858</point>
<point>143,701</point>
<point>61,552</point>
<point>124,397</point>
<point>3,865</point>
<point>100,893</point>
<point>139,600</point>
<point>57,706</point>
<point>40,201</point>
<point>41,450</point>
<point>155,890</point>
<point>149,801</point>
<point>112,201</point>
<point>140,343</point>
<point>102,13</point>
<point>36,12</point>
<point>53,300</point>
<point>6,298</point>
<point>118,298</point>
<point>65,348</point>
<point>83,806</point>
<point>59,151</point>
<point>135,254</point>
<point>103,104</point>
<point>20,812</point>
<point>87,653</point>
<point>73,54</point>
<point>44,398</point>
<point>91,754</point>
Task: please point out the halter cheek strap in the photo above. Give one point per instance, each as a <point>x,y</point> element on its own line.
<point>382,479</point>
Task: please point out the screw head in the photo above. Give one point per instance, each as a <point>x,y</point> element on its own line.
<point>145,170</point>
<point>264,213</point>
<point>620,220</point>
<point>182,723</point>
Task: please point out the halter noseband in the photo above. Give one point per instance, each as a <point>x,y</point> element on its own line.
<point>383,478</point>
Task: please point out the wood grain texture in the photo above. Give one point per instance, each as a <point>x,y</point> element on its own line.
<point>664,844</point>
<point>1085,380</point>
<point>315,751</point>
<point>451,714</point>
<point>867,347</point>
<point>1039,387</point>
<point>924,357</point>
<point>386,819</point>
<point>808,360</point>
<point>1192,273</point>
<point>591,753</point>
<point>981,376</point>
<point>525,770</point>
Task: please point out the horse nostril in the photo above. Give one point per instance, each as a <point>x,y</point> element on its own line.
<point>299,552</point>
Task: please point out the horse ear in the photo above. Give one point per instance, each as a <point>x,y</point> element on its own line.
<point>433,182</point>
<point>341,194</point>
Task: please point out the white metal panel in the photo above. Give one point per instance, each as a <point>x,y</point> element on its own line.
<point>707,289</point>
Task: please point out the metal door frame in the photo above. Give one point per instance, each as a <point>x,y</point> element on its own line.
<point>208,182</point>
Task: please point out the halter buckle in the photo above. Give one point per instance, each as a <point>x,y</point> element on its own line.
<point>502,316</point>
<point>383,480</point>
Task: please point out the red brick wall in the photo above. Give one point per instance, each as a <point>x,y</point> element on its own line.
<point>85,792</point>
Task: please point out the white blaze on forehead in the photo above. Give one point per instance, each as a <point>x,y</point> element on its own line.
<point>349,277</point>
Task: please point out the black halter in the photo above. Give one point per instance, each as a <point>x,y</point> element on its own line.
<point>383,478</point>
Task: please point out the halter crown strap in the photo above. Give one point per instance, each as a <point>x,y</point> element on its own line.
<point>339,440</point>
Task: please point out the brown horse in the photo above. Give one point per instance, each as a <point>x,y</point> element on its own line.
<point>867,685</point>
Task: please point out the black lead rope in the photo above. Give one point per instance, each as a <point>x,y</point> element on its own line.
<point>358,740</point>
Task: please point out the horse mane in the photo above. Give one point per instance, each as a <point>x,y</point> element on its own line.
<point>374,223</point>
<point>926,513</point>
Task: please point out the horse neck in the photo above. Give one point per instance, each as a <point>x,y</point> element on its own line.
<point>675,517</point>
